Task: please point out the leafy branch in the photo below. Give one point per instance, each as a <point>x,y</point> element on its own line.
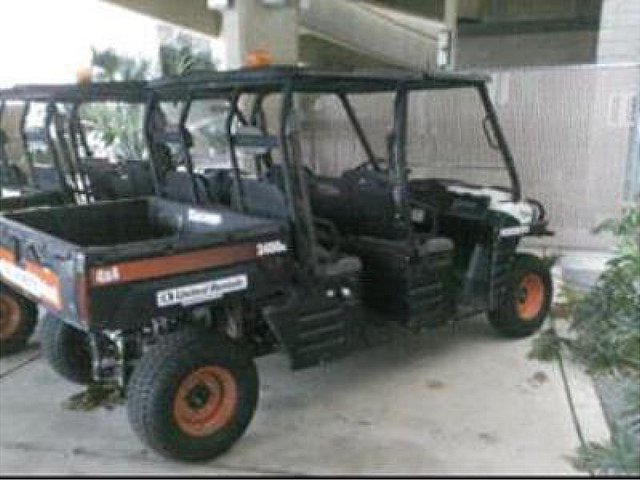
<point>604,336</point>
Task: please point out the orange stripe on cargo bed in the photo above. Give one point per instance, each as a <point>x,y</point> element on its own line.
<point>7,255</point>
<point>49,279</point>
<point>172,264</point>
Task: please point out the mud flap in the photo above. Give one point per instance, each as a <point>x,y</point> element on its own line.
<point>502,258</point>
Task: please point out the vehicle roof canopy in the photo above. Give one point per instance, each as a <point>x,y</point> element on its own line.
<point>262,80</point>
<point>129,91</point>
<point>274,79</point>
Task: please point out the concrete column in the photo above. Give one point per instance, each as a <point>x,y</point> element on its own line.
<point>249,25</point>
<point>619,39</point>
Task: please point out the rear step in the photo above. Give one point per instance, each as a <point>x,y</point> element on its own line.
<point>314,330</point>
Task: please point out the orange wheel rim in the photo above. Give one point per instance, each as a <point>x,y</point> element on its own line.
<point>530,296</point>
<point>206,401</point>
<point>10,316</point>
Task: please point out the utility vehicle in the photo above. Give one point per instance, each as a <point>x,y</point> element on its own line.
<point>60,169</point>
<point>177,298</point>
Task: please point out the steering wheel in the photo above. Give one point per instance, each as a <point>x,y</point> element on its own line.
<point>362,167</point>
<point>368,166</point>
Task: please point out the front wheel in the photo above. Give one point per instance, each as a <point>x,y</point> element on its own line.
<point>528,298</point>
<point>18,318</point>
<point>192,395</point>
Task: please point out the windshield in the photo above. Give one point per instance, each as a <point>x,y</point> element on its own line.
<point>330,144</point>
<point>446,139</point>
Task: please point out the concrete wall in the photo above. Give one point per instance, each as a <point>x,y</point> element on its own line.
<point>567,130</point>
<point>538,9</point>
<point>531,49</point>
<point>619,32</point>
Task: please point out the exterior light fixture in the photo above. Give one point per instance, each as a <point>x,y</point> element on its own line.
<point>219,4</point>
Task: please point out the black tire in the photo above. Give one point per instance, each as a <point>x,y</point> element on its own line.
<point>528,299</point>
<point>18,318</point>
<point>168,377</point>
<point>67,350</point>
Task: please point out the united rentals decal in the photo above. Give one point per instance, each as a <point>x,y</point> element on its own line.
<point>201,292</point>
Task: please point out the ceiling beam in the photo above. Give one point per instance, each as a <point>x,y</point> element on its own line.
<point>191,14</point>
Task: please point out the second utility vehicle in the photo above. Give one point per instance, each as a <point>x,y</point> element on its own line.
<point>59,168</point>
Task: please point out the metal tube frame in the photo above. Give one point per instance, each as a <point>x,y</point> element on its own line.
<point>150,106</point>
<point>66,153</point>
<point>357,127</point>
<point>258,119</point>
<point>185,149</point>
<point>76,132</point>
<point>50,117</point>
<point>296,193</point>
<point>502,141</point>
<point>234,112</point>
<point>398,162</point>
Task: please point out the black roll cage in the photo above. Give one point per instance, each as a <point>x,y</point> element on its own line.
<point>68,158</point>
<point>42,134</point>
<point>287,81</point>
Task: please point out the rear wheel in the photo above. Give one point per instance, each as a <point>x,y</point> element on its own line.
<point>528,300</point>
<point>192,395</point>
<point>18,318</point>
<point>67,350</point>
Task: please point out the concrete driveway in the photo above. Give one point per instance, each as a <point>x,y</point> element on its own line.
<point>449,401</point>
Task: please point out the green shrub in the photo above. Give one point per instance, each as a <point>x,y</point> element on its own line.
<point>604,336</point>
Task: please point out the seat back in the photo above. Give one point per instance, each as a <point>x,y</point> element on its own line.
<point>219,184</point>
<point>103,178</point>
<point>140,178</point>
<point>373,206</point>
<point>178,186</point>
<point>46,178</point>
<point>263,199</point>
<point>108,183</point>
<point>359,203</point>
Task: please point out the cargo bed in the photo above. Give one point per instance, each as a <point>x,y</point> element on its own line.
<point>108,260</point>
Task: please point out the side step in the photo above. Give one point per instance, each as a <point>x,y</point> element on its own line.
<point>314,328</point>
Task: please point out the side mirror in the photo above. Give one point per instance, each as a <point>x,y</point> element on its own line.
<point>489,134</point>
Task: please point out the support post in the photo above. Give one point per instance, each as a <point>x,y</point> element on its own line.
<point>250,25</point>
